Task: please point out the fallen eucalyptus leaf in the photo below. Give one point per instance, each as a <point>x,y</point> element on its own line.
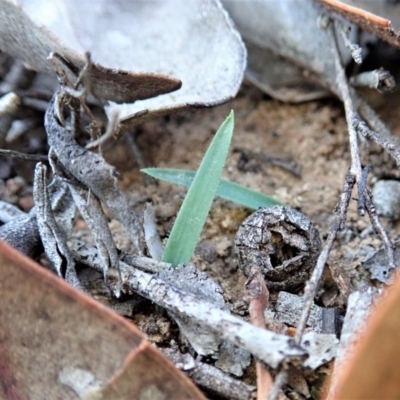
<point>31,30</point>
<point>289,55</point>
<point>50,332</point>
<point>194,41</point>
<point>371,370</point>
<point>360,305</point>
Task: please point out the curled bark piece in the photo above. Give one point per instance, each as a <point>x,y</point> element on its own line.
<point>91,211</point>
<point>53,238</point>
<point>20,229</point>
<point>151,235</point>
<point>91,170</point>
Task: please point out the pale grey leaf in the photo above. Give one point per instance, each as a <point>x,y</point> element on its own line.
<point>190,41</point>
<point>289,55</point>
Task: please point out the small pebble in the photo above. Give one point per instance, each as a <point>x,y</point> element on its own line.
<point>26,203</point>
<point>386,197</point>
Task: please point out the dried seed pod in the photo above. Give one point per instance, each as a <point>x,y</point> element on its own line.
<point>282,242</point>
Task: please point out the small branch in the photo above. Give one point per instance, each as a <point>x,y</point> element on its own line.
<point>109,133</point>
<point>351,115</point>
<point>338,225</point>
<point>272,348</point>
<point>23,156</point>
<point>362,187</point>
<point>379,229</point>
<point>390,148</point>
<point>355,49</point>
<point>312,285</point>
<point>280,380</point>
<point>354,176</point>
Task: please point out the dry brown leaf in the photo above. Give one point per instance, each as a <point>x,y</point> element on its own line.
<point>51,333</point>
<point>372,372</point>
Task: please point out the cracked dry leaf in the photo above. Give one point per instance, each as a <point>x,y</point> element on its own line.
<point>57,342</point>
<point>192,41</point>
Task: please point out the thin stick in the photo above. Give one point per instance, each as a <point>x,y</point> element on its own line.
<point>269,347</point>
<point>351,115</point>
<point>338,225</point>
<point>312,285</point>
<point>368,133</point>
<point>355,175</point>
<point>280,380</point>
<point>23,156</point>
<point>355,49</point>
<point>379,229</point>
<point>362,187</point>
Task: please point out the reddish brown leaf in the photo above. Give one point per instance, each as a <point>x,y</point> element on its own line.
<point>47,328</point>
<point>372,372</point>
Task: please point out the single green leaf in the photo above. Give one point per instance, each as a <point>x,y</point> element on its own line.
<point>227,190</point>
<point>197,203</point>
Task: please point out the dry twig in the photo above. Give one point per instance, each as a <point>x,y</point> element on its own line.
<point>271,348</point>
<point>355,176</point>
<point>23,156</point>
